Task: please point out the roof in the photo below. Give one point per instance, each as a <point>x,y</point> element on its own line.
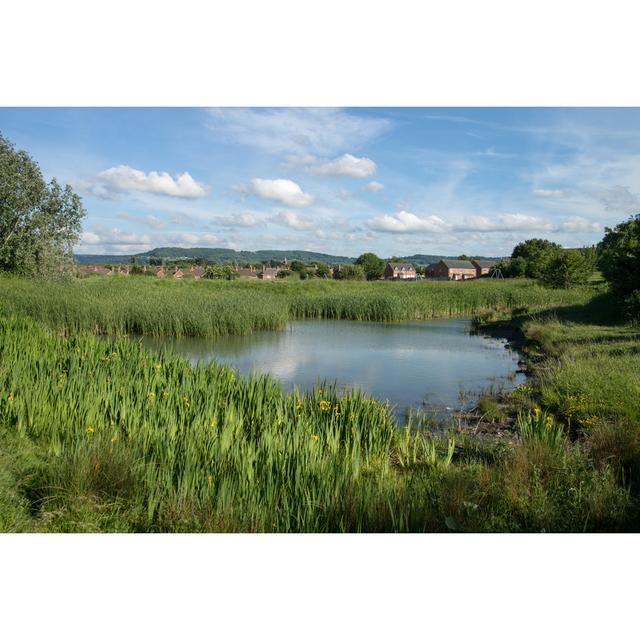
<point>484,264</point>
<point>401,265</point>
<point>458,264</point>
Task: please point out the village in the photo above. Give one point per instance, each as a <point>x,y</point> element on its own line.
<point>445,269</point>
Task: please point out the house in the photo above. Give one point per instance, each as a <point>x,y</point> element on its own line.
<point>451,270</point>
<point>483,267</point>
<point>196,271</point>
<point>268,273</point>
<point>160,272</point>
<point>177,273</point>
<point>399,271</point>
<point>246,273</point>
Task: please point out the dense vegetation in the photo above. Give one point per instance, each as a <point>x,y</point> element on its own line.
<point>103,435</point>
<point>39,221</point>
<point>214,307</point>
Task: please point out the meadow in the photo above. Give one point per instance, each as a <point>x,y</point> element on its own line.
<point>103,435</point>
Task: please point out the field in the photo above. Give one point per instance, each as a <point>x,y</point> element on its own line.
<point>101,435</point>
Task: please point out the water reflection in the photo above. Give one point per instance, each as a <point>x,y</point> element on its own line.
<point>404,363</point>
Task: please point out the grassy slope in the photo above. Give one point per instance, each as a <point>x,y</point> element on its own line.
<point>95,436</point>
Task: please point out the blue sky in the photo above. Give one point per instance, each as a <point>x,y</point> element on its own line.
<point>342,181</point>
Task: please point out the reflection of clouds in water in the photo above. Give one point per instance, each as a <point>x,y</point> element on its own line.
<point>285,366</point>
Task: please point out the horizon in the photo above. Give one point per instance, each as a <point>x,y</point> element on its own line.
<point>343,181</point>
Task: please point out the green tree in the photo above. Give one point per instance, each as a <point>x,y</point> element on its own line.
<point>323,270</point>
<point>372,265</point>
<point>350,272</point>
<point>39,222</point>
<point>218,272</point>
<point>536,253</point>
<point>567,269</point>
<point>619,257</point>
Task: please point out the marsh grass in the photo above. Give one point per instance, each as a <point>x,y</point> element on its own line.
<point>102,435</point>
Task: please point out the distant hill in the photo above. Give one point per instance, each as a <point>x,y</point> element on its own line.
<point>216,255</point>
<point>229,255</point>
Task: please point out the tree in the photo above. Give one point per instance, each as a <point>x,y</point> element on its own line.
<point>372,265</point>
<point>218,272</point>
<point>39,222</point>
<point>567,269</point>
<point>323,270</point>
<point>619,257</point>
<point>536,253</point>
<point>350,272</point>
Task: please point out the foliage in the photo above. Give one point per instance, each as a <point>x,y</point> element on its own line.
<point>372,265</point>
<point>536,253</point>
<point>350,272</point>
<point>566,269</point>
<point>39,222</point>
<point>619,257</point>
<point>218,272</point>
<point>542,427</point>
<point>323,270</point>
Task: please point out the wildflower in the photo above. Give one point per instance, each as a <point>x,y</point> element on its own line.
<point>89,429</point>
<point>10,398</point>
<point>315,438</point>
<point>213,423</point>
<point>536,411</point>
<point>165,394</point>
<point>114,439</point>
<point>77,349</point>
<point>158,366</point>
<point>151,395</point>
<point>210,479</point>
<point>548,423</point>
<point>325,405</point>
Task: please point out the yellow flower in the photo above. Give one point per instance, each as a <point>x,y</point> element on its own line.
<point>114,439</point>
<point>165,394</point>
<point>10,398</point>
<point>89,429</point>
<point>315,438</point>
<point>536,411</point>
<point>151,395</point>
<point>213,423</point>
<point>325,405</point>
<point>158,366</point>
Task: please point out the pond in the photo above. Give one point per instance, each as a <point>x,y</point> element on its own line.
<point>418,365</point>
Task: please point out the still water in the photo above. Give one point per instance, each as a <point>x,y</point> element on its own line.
<point>422,365</point>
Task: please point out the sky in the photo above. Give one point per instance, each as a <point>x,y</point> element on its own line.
<point>395,181</point>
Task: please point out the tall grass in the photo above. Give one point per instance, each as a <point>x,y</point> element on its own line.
<point>102,435</point>
<point>119,305</point>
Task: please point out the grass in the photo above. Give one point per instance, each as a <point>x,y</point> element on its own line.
<point>102,435</point>
<point>120,305</point>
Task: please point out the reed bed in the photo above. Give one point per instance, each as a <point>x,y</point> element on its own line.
<point>121,305</point>
<point>103,435</point>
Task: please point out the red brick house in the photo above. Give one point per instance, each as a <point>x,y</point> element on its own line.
<point>399,271</point>
<point>452,270</point>
<point>483,267</point>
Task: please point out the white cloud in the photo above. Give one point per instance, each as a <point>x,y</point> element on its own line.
<point>122,179</point>
<point>552,194</point>
<point>149,220</point>
<point>405,222</point>
<point>374,186</point>
<point>240,220</point>
<point>322,131</point>
<point>286,191</point>
<point>292,220</point>
<point>577,224</point>
<point>505,222</point>
<point>346,165</point>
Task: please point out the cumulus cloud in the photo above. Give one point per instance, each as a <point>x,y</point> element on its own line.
<point>322,131</point>
<point>286,191</point>
<point>374,186</point>
<point>293,220</point>
<point>123,179</point>
<point>405,222</point>
<point>149,220</point>
<point>576,224</point>
<point>346,165</point>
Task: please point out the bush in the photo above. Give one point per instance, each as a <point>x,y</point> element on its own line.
<point>568,268</point>
<point>619,253</point>
<point>350,272</point>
